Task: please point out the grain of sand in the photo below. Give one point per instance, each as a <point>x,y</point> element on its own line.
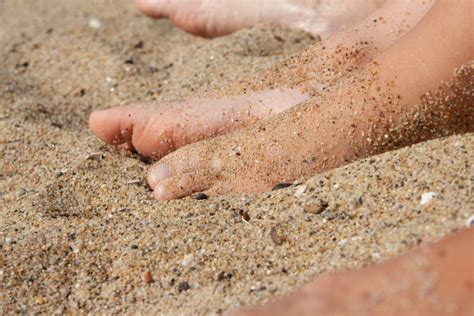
<point>79,231</point>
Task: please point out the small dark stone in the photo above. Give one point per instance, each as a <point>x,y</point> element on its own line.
<point>23,65</point>
<point>329,214</point>
<point>183,286</point>
<point>201,196</point>
<point>59,173</point>
<point>56,124</point>
<point>245,216</point>
<point>280,186</point>
<point>279,38</point>
<point>276,238</point>
<point>71,236</point>
<point>221,276</point>
<point>139,44</point>
<point>130,61</point>
<point>147,277</point>
<point>134,246</point>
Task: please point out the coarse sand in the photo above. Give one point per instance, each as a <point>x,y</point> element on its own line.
<point>79,231</point>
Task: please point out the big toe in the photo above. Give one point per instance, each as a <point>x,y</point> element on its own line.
<point>140,127</point>
<point>153,8</point>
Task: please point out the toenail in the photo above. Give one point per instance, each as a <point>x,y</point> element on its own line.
<point>160,173</point>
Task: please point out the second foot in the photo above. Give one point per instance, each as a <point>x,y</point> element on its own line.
<point>212,18</point>
<point>433,280</point>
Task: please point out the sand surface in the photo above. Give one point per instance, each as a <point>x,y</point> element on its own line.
<point>78,227</point>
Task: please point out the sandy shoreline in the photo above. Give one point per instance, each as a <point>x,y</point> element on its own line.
<point>78,227</point>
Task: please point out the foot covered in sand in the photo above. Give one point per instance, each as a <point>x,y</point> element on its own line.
<point>157,129</point>
<point>352,123</point>
<point>376,109</point>
<point>212,18</point>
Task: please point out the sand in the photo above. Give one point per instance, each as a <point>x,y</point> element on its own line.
<point>79,231</point>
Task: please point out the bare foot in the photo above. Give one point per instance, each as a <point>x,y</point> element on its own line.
<point>154,130</point>
<point>376,109</point>
<point>212,18</point>
<point>437,279</point>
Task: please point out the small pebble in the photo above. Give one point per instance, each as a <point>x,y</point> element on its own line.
<point>183,286</point>
<point>245,216</point>
<point>427,197</point>
<point>95,23</point>
<point>136,181</point>
<point>280,186</point>
<point>329,214</point>
<point>111,82</point>
<point>58,173</point>
<point>470,221</point>
<point>39,300</point>
<point>300,191</point>
<point>147,277</point>
<point>277,239</point>
<point>8,240</point>
<point>221,276</point>
<point>95,156</point>
<point>201,196</point>
<point>139,44</point>
<point>359,201</point>
<point>187,260</point>
<point>315,208</point>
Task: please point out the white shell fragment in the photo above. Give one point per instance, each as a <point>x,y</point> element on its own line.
<point>300,191</point>
<point>427,197</point>
<point>95,23</point>
<point>187,260</point>
<point>470,221</point>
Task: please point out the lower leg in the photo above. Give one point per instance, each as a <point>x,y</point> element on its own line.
<point>436,279</point>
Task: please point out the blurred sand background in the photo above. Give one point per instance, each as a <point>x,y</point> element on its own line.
<point>79,231</point>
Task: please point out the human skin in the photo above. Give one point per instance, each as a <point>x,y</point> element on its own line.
<point>156,129</point>
<point>434,279</point>
<point>211,18</point>
<point>410,93</point>
<point>371,109</point>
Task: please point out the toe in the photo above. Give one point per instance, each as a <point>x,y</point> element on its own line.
<point>113,126</point>
<point>153,8</point>
<point>184,184</point>
<point>185,160</point>
<point>134,127</point>
<point>160,172</point>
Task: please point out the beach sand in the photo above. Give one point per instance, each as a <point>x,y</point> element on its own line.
<point>79,231</point>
